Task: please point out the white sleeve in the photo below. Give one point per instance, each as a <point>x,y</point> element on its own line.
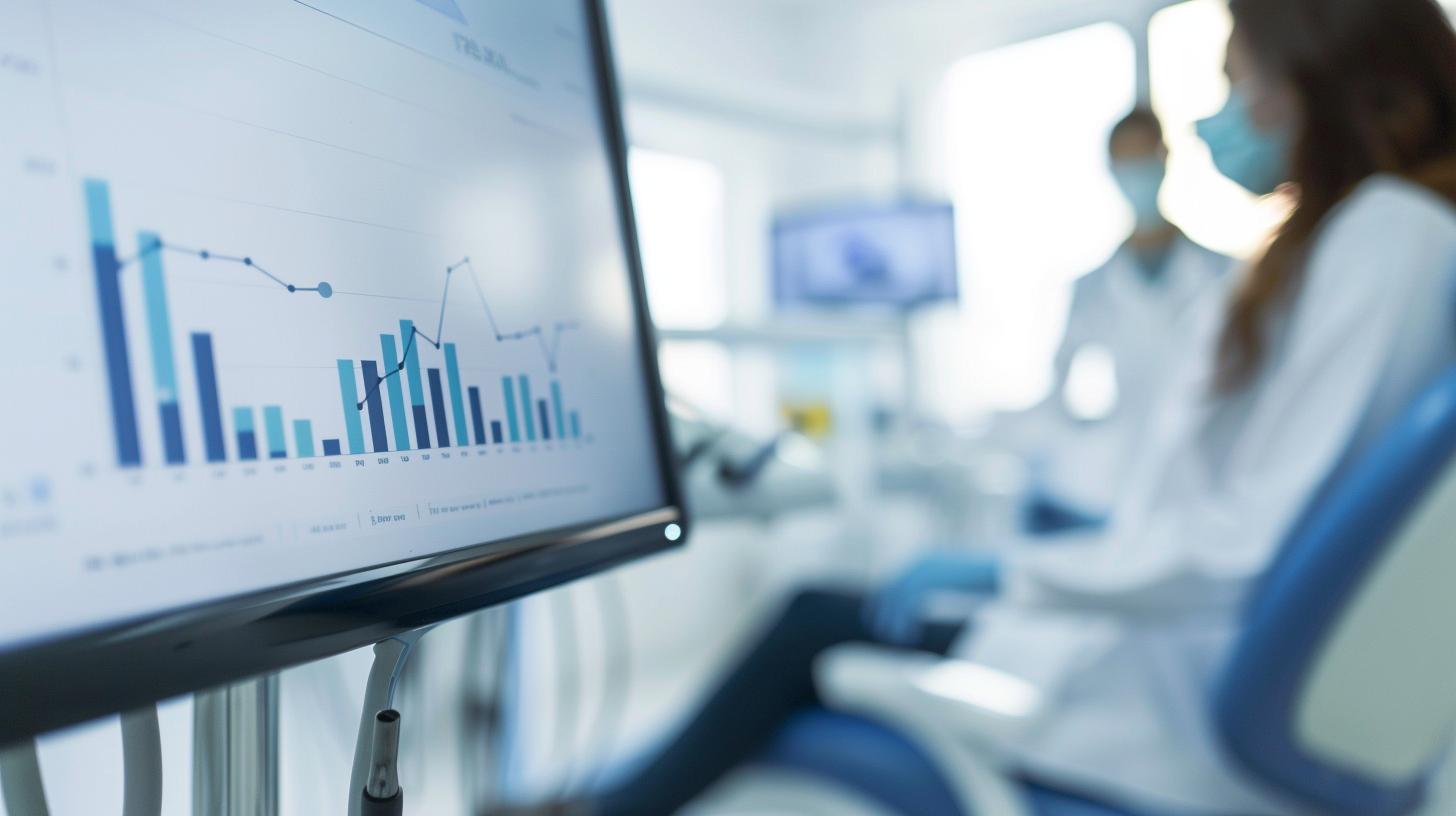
<point>1078,332</point>
<point>1202,547</point>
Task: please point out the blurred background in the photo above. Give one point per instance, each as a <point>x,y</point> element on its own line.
<point>822,440</point>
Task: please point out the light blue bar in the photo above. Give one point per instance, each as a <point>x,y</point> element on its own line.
<point>508,394</point>
<point>575,425</point>
<point>412,361</point>
<point>527,409</point>
<point>457,397</point>
<point>303,438</point>
<point>556,406</point>
<point>159,320</point>
<point>349,393</point>
<point>273,426</point>
<point>243,420</point>
<point>98,213</point>
<point>397,412</point>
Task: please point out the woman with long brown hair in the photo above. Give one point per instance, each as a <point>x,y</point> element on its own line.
<point>1348,109</point>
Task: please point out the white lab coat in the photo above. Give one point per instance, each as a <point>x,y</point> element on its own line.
<point>1129,629</point>
<point>1146,326</point>
<point>1143,323</point>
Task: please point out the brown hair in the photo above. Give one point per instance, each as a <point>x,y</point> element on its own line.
<point>1141,118</point>
<point>1376,82</point>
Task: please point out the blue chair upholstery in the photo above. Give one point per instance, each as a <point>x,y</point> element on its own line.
<point>1328,557</point>
<point>879,762</point>
<point>1330,554</point>
<point>882,765</point>
<point>1042,514</point>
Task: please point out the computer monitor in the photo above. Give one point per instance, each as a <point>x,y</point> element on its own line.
<point>895,255</point>
<point>323,321</point>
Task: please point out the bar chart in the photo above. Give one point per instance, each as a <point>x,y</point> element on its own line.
<point>294,289</point>
<point>412,397</point>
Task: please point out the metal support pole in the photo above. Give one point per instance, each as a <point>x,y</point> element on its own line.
<point>20,780</point>
<point>235,750</point>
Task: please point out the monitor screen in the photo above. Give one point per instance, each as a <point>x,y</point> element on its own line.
<point>297,290</point>
<point>896,255</point>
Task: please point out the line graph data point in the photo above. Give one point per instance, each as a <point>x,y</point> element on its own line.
<point>204,254</point>
<point>292,288</point>
<point>247,262</point>
<point>325,290</point>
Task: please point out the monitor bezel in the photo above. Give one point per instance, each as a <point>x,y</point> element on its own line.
<point>118,667</point>
<point>786,221</point>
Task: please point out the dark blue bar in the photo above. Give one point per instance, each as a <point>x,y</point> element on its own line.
<point>207,394</point>
<point>172,433</point>
<point>545,419</point>
<point>437,398</point>
<point>477,417</point>
<point>409,340</point>
<point>497,433</point>
<point>113,323</point>
<point>422,427</point>
<point>376,405</point>
<point>247,445</point>
<point>333,448</point>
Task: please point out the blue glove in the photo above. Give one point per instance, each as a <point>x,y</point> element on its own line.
<point>895,613</point>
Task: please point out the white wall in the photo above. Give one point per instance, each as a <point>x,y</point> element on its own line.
<point>761,90</point>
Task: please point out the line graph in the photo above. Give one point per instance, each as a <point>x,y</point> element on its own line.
<point>439,414</point>
<point>550,345</point>
<point>157,245</point>
<point>550,348</point>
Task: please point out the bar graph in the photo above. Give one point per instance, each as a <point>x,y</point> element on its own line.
<point>477,416</point>
<point>164,366</point>
<point>396,393</point>
<point>247,434</point>
<point>303,438</point>
<point>397,402</point>
<point>508,398</point>
<point>113,324</point>
<point>208,397</point>
<point>273,428</point>
<point>377,430</point>
<point>416,385</point>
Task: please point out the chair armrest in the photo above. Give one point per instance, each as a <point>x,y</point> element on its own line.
<point>959,712</point>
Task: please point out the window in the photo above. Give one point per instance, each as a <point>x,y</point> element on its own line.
<point>680,212</point>
<point>1186,55</point>
<point>680,221</point>
<point>699,373</point>
<point>1027,128</point>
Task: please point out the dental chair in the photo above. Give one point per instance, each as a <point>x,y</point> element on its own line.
<point>1340,697</point>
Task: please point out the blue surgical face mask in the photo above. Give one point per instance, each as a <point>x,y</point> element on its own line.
<point>1140,181</point>
<point>1254,159</point>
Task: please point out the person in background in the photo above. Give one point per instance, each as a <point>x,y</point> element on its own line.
<point>1349,108</point>
<point>1134,315</point>
<point>1138,300</point>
